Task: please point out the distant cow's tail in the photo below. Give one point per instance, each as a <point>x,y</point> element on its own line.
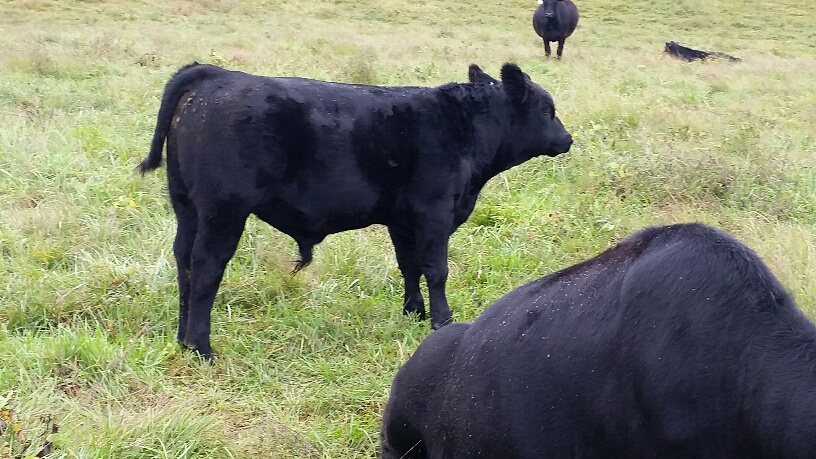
<point>180,83</point>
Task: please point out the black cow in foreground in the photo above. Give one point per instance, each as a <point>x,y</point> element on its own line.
<point>313,158</point>
<point>678,342</point>
<point>555,20</point>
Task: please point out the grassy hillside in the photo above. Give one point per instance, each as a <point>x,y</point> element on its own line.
<point>88,300</point>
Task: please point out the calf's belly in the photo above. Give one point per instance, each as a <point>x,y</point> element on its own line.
<point>320,213</point>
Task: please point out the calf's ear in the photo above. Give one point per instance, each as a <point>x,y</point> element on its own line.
<point>515,83</point>
<point>477,75</point>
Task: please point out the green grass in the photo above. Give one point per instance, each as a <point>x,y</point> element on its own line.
<point>88,300</point>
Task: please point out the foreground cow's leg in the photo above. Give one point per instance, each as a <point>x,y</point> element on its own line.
<point>187,222</point>
<point>405,249</point>
<point>215,244</point>
<point>560,48</point>
<point>547,49</point>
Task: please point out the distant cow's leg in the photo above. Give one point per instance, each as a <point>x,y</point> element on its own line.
<point>560,48</point>
<point>215,244</point>
<point>187,224</point>
<point>547,48</point>
<point>408,261</point>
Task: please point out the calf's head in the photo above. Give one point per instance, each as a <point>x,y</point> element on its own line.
<point>533,129</point>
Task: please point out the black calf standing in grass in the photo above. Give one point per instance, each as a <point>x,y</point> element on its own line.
<point>555,20</point>
<point>313,158</point>
<point>678,342</point>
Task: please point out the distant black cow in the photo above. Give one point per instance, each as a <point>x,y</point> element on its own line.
<point>555,20</point>
<point>687,54</point>
<point>312,158</point>
<point>676,343</point>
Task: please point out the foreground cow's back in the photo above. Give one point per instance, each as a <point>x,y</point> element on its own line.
<point>677,343</point>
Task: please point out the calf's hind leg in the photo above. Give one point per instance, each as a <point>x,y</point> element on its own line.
<point>187,226</point>
<point>215,244</point>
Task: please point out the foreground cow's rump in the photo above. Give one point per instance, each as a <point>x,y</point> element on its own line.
<point>312,158</point>
<point>555,20</point>
<point>677,343</point>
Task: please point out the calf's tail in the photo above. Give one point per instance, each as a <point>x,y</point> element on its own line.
<point>178,84</point>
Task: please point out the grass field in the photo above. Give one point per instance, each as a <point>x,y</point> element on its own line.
<point>88,299</point>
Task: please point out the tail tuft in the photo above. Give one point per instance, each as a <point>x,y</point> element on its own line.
<point>150,163</point>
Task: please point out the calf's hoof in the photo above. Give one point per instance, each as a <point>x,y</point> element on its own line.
<point>207,355</point>
<point>437,325</point>
<point>419,313</point>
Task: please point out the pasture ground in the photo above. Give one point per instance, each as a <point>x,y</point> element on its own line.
<point>88,298</point>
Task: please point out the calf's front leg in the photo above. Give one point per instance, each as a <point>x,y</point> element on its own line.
<point>432,248</point>
<point>560,48</point>
<point>408,261</point>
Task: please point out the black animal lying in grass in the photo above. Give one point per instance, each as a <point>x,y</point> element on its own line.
<point>313,158</point>
<point>676,343</point>
<point>687,54</point>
